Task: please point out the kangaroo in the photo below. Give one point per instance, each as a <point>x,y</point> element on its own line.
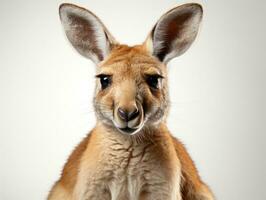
<point>130,154</point>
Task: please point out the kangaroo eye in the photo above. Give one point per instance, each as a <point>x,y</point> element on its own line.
<point>153,81</point>
<point>105,80</point>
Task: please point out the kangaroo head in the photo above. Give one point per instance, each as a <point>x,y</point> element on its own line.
<point>131,87</point>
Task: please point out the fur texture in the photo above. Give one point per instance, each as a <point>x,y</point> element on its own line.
<point>133,158</point>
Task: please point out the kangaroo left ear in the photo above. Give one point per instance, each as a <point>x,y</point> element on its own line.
<point>174,32</point>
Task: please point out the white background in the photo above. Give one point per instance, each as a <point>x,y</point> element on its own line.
<point>217,92</point>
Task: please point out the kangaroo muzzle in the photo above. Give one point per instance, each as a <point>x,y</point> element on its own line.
<point>129,119</point>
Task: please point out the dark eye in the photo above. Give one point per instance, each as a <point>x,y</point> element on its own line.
<point>105,80</point>
<point>153,81</point>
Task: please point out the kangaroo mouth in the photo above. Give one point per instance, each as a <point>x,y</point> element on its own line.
<point>128,130</point>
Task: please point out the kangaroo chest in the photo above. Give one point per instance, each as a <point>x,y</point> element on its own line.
<point>129,172</point>
<point>133,169</point>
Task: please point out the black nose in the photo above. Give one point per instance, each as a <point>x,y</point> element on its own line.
<point>128,115</point>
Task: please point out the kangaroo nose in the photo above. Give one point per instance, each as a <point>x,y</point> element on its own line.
<point>126,115</point>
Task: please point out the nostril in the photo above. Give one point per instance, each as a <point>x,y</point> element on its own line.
<point>127,116</point>
<point>132,115</point>
<point>122,114</point>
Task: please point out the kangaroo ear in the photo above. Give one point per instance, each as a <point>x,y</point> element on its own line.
<point>86,32</point>
<point>174,32</point>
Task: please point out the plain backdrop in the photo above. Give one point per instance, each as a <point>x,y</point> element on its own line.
<point>217,92</point>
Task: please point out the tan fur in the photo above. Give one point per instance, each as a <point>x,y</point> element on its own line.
<point>148,165</point>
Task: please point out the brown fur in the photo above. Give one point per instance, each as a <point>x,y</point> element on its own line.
<point>191,184</point>
<point>148,165</point>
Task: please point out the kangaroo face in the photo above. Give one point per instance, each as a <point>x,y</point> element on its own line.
<point>131,87</point>
<point>131,90</point>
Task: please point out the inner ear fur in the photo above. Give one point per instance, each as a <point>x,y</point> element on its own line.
<point>86,32</point>
<point>174,32</point>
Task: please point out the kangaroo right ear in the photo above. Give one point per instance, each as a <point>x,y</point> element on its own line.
<point>86,32</point>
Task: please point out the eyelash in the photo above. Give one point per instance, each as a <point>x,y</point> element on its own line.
<point>151,79</point>
<point>105,80</point>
